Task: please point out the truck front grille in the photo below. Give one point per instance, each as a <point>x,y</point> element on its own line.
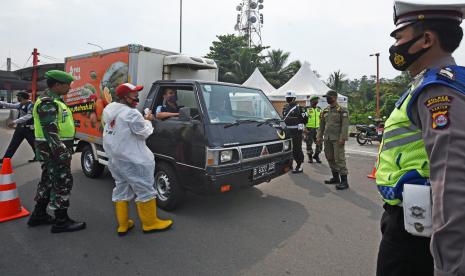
<point>275,148</point>
<point>252,152</point>
<point>255,152</point>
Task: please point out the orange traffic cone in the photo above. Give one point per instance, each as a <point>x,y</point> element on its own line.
<point>373,172</point>
<point>10,206</point>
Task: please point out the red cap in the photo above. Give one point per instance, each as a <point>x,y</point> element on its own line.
<point>125,88</point>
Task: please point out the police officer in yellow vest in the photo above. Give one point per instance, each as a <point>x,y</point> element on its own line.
<point>54,133</point>
<point>313,123</point>
<point>420,172</point>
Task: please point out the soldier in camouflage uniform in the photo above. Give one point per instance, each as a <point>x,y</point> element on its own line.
<point>334,128</point>
<point>54,132</point>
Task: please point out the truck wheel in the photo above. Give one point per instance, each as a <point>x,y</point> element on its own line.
<point>361,138</point>
<point>169,192</point>
<point>89,163</point>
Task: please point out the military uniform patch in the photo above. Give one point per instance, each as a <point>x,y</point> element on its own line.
<point>437,100</point>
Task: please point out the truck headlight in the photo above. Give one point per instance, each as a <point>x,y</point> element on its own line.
<point>226,156</point>
<point>287,145</point>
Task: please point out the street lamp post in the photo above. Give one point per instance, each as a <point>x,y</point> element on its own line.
<point>377,83</point>
<point>101,48</point>
<point>180,26</point>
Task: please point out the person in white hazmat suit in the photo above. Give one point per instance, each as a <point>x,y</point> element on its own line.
<point>130,161</point>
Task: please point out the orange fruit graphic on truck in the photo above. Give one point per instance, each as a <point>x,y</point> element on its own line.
<point>99,105</point>
<point>106,95</point>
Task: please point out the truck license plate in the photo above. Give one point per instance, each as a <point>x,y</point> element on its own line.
<point>263,170</point>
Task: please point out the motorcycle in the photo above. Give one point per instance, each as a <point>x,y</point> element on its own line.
<point>371,132</point>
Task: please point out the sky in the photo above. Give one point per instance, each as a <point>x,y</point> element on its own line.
<point>331,35</point>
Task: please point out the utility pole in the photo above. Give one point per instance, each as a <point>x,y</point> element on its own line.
<point>9,93</point>
<point>377,83</point>
<point>180,26</point>
<point>35,61</point>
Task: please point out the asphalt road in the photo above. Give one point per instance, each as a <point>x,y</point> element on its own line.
<point>294,225</point>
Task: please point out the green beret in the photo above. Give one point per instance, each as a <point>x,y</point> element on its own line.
<point>331,93</point>
<point>59,76</point>
<point>314,98</point>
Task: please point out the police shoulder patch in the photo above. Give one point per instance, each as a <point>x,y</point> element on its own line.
<point>440,117</point>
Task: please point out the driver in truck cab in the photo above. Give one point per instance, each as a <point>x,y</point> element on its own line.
<point>169,107</point>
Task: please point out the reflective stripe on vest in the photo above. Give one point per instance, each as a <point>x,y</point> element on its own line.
<point>402,141</point>
<point>399,131</point>
<point>65,121</point>
<point>313,117</point>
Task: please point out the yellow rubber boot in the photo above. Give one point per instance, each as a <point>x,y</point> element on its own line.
<point>148,215</point>
<point>124,223</point>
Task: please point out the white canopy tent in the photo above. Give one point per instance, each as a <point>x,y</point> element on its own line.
<point>257,80</point>
<point>305,84</point>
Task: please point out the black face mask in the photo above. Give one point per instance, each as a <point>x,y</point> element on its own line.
<point>399,56</point>
<point>289,100</point>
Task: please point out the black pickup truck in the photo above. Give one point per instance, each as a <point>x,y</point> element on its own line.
<point>225,137</point>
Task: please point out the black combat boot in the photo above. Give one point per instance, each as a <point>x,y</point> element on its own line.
<point>344,184</point>
<point>298,168</point>
<point>310,159</point>
<point>39,216</point>
<point>64,224</point>
<point>334,179</point>
<point>317,158</point>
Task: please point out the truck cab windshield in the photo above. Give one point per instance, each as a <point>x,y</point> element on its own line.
<point>231,104</point>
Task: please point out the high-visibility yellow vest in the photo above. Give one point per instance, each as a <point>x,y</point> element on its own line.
<point>65,121</point>
<point>402,156</point>
<point>313,117</point>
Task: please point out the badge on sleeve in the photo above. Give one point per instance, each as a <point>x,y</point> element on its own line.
<point>438,100</point>
<point>440,117</point>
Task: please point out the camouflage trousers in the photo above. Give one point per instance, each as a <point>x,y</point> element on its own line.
<point>310,140</point>
<point>335,154</point>
<point>56,181</point>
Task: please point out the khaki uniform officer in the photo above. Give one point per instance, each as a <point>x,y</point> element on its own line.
<point>334,130</point>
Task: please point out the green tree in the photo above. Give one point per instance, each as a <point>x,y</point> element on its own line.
<point>336,80</point>
<point>244,62</point>
<point>275,69</point>
<point>228,51</point>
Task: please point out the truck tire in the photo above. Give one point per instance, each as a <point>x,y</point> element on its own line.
<point>169,192</point>
<point>89,163</point>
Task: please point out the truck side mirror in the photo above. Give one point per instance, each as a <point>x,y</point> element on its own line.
<point>185,114</point>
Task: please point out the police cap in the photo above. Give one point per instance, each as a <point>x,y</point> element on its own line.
<point>407,12</point>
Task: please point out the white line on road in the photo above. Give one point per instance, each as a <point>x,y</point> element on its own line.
<point>362,152</point>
